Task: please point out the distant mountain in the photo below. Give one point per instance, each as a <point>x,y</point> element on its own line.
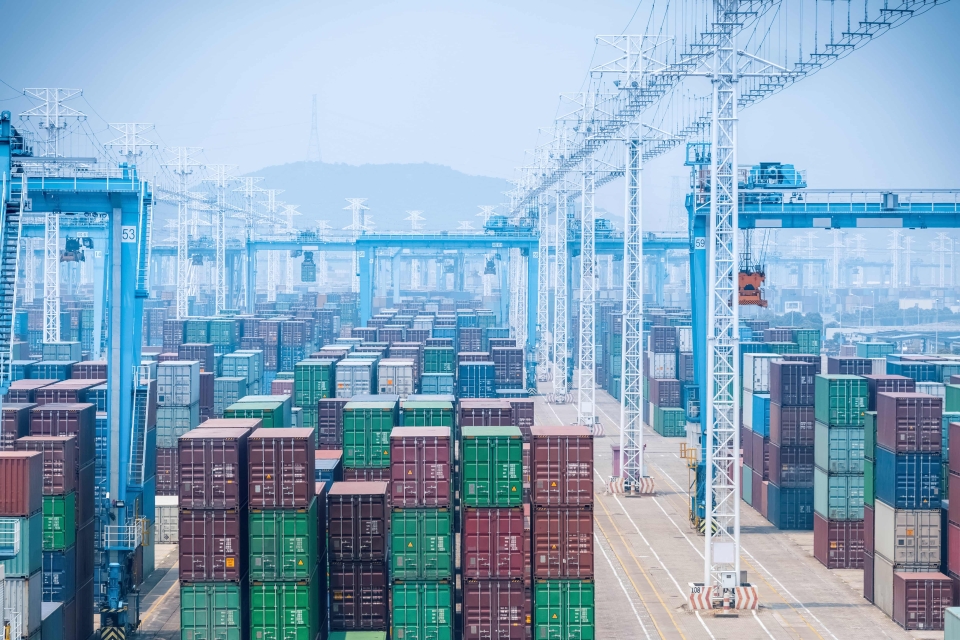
<point>444,195</point>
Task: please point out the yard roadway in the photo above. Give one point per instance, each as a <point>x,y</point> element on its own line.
<point>160,607</point>
<point>647,553</point>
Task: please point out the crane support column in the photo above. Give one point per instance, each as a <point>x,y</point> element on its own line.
<point>586,411</point>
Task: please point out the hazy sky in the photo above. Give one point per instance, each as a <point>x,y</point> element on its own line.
<point>464,84</point>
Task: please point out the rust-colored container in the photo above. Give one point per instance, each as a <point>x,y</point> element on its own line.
<point>757,481</point>
<point>330,422</point>
<point>492,543</point>
<point>14,423</point>
<point>920,598</point>
<point>281,463</point>
<point>358,596</point>
<point>791,466</point>
<point>868,533</point>
<point>761,454</point>
<point>868,577</point>
<point>357,521</point>
<point>886,383</point>
<point>21,483</point>
<point>908,422</point>
<point>954,452</point>
<point>168,471</point>
<point>791,426</point>
<point>562,542</point>
<point>89,370</point>
<point>792,383</point>
<point>368,475</point>
<point>664,392</point>
<point>485,413</point>
<point>746,446</point>
<point>232,423</point>
<point>66,391</point>
<point>213,468</point>
<point>59,461</point>
<point>420,463</point>
<point>838,545</point>
<point>494,609</point>
<point>523,415</point>
<point>207,379</point>
<point>77,419</point>
<point>561,466</point>
<point>213,545</point>
<point>25,391</point>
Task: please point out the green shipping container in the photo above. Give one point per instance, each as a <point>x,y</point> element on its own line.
<point>421,543</point>
<point>422,610</point>
<point>838,449</point>
<point>874,349</point>
<point>808,340</point>
<point>869,482</point>
<point>491,466</point>
<point>366,434</point>
<point>837,497</point>
<point>212,610</point>
<point>358,635</point>
<point>285,610</point>
<point>270,413</point>
<point>746,485</point>
<point>312,381</point>
<point>782,348</point>
<point>30,558</point>
<point>197,331</point>
<point>427,414</point>
<point>869,434</point>
<point>952,401</point>
<point>59,521</point>
<point>439,360</point>
<point>840,400</point>
<point>283,543</point>
<point>564,610</point>
<point>670,422</point>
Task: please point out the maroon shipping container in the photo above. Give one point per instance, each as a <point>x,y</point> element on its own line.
<point>213,468</point>
<point>59,461</point>
<point>850,366</point>
<point>470,338</point>
<point>269,330</point>
<point>792,383</point>
<point>508,365</point>
<point>90,370</point>
<point>418,335</point>
<point>887,383</point>
<point>665,392</point>
<point>368,475</point>
<point>66,391</point>
<point>838,545</point>
<point>473,356</point>
<point>25,391</point>
<point>168,471</point>
<point>501,342</point>
<point>76,419</point>
<point>920,598</point>
<point>202,352</point>
<point>778,334</point>
<point>367,334</point>
<point>954,452</point>
<point>761,454</point>
<point>281,387</point>
<point>868,534</point>
<point>563,542</point>
<point>791,426</point>
<point>485,413</point>
<point>213,545</point>
<point>206,390</point>
<point>746,445</point>
<point>253,343</point>
<point>357,524</point>
<point>420,463</point>
<point>791,466</point>
<point>293,333</point>
<point>168,357</point>
<point>281,463</point>
<point>909,422</point>
<point>663,339</point>
<point>21,483</point>
<point>953,548</point>
<point>561,466</point>
<point>495,609</point>
<point>251,424</point>
<point>14,423</point>
<point>493,543</point>
<point>868,577</point>
<point>805,357</point>
<point>85,494</point>
<point>757,481</point>
<point>523,411</point>
<point>389,334</point>
<point>330,423</point>
<point>358,596</point>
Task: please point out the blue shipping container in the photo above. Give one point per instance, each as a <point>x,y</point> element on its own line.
<point>790,509</point>
<point>52,370</point>
<point>437,384</point>
<point>22,369</point>
<point>761,414</point>
<point>476,380</point>
<point>908,480</point>
<point>919,371</point>
<point>329,470</point>
<point>60,575</point>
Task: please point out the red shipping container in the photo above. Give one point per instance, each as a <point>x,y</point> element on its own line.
<point>953,454</point>
<point>953,548</point>
<point>791,426</point>
<point>495,609</point>
<point>330,423</point>
<point>213,545</point>
<point>920,598</point>
<point>746,445</point>
<point>59,461</point>
<point>25,391</point>
<point>664,392</point>
<point>206,390</point>
<point>204,353</point>
<point>909,422</point>
<point>358,596</point>
<point>523,414</point>
<point>886,383</point>
<point>14,423</point>
<point>168,471</point>
<point>563,542</point>
<point>838,545</point>
<point>357,521</point>
<point>281,463</point>
<point>868,577</point>
<point>868,533</point>
<point>78,419</point>
<point>90,370</point>
<point>761,454</point>
<point>485,413</point>
<point>792,383</point>
<point>755,491</point>
<point>21,483</point>
<point>493,543</point>
<point>791,466</point>
<point>213,468</point>
<point>65,391</point>
<point>420,463</point>
<point>561,466</point>
<point>281,387</point>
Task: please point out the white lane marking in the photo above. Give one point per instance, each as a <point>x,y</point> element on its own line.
<point>622,586</point>
<point>762,626</point>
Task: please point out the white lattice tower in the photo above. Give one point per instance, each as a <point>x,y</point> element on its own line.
<point>486,210</point>
<point>561,345</point>
<point>543,288</point>
<point>908,260</point>
<point>322,227</point>
<point>130,143</point>
<point>52,116</point>
<point>518,295</point>
<point>289,211</point>
<point>248,190</point>
<point>836,245</point>
<point>271,205</point>
<point>416,220</point>
<point>358,226</point>
<point>586,367</point>
<point>895,248</point>
<point>183,164</point>
<point>221,179</point>
<point>51,277</point>
<point>313,144</point>
<point>942,246</point>
<point>29,272</point>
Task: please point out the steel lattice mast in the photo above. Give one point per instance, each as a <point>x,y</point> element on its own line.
<point>183,165</point>
<point>561,354</point>
<point>248,188</point>
<point>586,367</point>
<point>221,179</point>
<point>543,291</point>
<point>358,226</point>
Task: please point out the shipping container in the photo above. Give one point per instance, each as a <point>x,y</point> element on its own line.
<point>25,391</point>
<point>476,380</point>
<point>791,467</point>
<point>422,610</point>
<point>838,545</point>
<point>357,526</point>
<point>491,466</point>
<point>174,421</point>
<point>564,609</point>
<point>59,521</point>
<point>563,542</point>
<point>358,596</point>
<point>909,422</point>
<point>421,543</point>
<point>561,470</point>
<point>29,559</point>
<point>908,480</point>
<point>907,536</point>
<point>272,415</point>
<point>838,497</point>
<point>485,413</point>
<point>21,476</point>
<point>167,520</point>
<point>59,461</point>
<point>420,413</point>
<point>841,400</point>
<point>283,543</point>
<point>227,391</point>
<point>421,461</point>
<point>366,433</point>
<point>791,426</point>
<point>213,545</point>
<point>792,383</point>
<point>287,610</point>
<point>790,508</point>
<point>437,383</point>
<point>396,376</point>
<point>178,383</point>
<point>756,371</point>
<point>493,543</point>
<point>849,366</point>
<point>355,377</point>
<point>57,419</point>
<point>495,609</point>
<point>839,449</point>
<point>25,595</point>
<point>330,423</point>
<point>919,599</point>
<point>508,367</point>
<point>213,464</point>
<point>281,468</point>
<point>60,575</point>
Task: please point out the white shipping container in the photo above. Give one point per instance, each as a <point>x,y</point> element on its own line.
<point>173,422</point>
<point>396,376</point>
<point>879,366</point>
<point>746,406</point>
<point>937,389</point>
<point>227,391</point>
<point>951,623</point>
<point>883,571</point>
<point>60,351</point>
<point>255,362</point>
<point>756,372</point>
<point>178,383</point>
<point>23,597</point>
<point>664,365</point>
<point>355,377</point>
<point>685,338</point>
<point>167,519</point>
<point>907,536</point>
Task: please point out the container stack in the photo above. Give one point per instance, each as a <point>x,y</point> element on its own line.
<point>903,530</point>
<point>358,535</point>
<point>288,588</point>
<point>755,432</point>
<point>789,494</point>
<point>212,529</point>
<point>21,504</point>
<point>313,381</point>
<point>178,397</point>
<point>294,342</point>
<point>274,412</point>
<point>330,423</point>
<point>367,424</point>
<point>421,532</point>
<point>663,409</point>
<point>841,405</point>
<point>227,391</point>
<point>244,364</point>
<point>397,376</point>
<point>270,332</point>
